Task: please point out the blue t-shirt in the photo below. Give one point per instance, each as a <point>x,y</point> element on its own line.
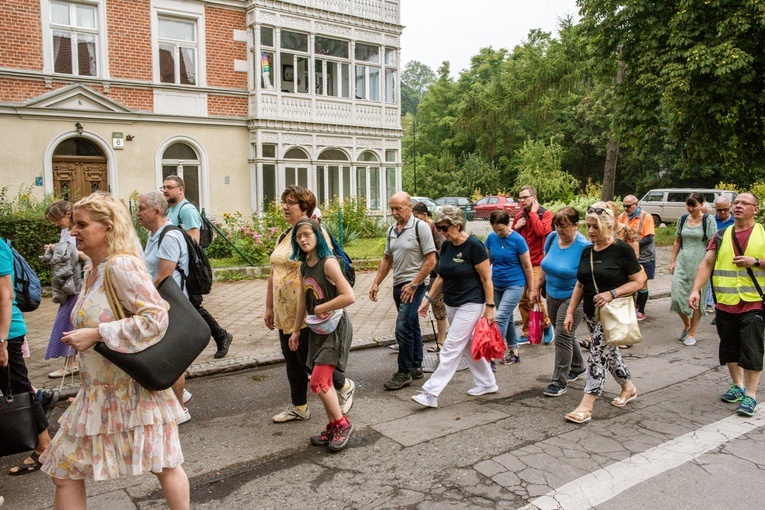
<point>173,248</point>
<point>561,264</point>
<point>505,253</point>
<point>18,327</point>
<point>723,224</point>
<point>189,216</point>
<point>462,283</point>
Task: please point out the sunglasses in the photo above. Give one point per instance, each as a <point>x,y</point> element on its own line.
<point>627,206</point>
<point>443,228</point>
<point>595,210</point>
<point>723,210</point>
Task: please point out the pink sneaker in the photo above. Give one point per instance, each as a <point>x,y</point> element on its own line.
<point>640,316</point>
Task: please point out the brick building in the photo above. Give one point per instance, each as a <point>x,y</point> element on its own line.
<point>239,97</point>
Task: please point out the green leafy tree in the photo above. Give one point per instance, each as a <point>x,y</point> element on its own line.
<point>540,166</point>
<point>415,80</point>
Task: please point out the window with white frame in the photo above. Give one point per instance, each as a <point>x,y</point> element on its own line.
<point>368,179</point>
<point>334,170</point>
<point>296,172</point>
<point>367,75</point>
<point>332,67</point>
<point>391,74</point>
<point>74,30</point>
<point>294,62</point>
<point>182,160</point>
<point>267,79</point>
<point>268,180</point>
<point>177,50</point>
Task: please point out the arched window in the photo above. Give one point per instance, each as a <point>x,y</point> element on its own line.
<point>181,159</point>
<point>333,177</point>
<point>296,172</point>
<point>368,179</point>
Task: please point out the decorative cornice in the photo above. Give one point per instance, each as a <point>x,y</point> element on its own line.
<point>323,129</point>
<point>320,14</point>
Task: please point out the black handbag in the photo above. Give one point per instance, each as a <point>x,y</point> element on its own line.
<point>17,422</point>
<point>161,365</point>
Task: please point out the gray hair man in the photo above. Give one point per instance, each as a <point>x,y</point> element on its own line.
<point>166,254</point>
<point>411,252</point>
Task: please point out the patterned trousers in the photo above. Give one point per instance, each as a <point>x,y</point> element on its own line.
<point>602,359</point>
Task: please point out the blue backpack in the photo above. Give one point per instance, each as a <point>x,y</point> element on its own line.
<point>26,284</point>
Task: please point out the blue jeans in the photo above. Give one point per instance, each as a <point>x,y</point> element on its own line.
<point>408,333</point>
<point>506,301</point>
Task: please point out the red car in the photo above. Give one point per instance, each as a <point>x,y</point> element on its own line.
<point>485,205</point>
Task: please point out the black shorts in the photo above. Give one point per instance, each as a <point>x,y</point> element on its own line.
<point>650,268</point>
<point>741,338</point>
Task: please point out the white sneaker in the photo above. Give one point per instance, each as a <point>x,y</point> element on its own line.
<point>425,399</point>
<point>186,395</point>
<point>292,413</point>
<point>345,397</point>
<point>482,390</point>
<point>689,340</point>
<point>186,418</point>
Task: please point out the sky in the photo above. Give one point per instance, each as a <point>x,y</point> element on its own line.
<point>454,30</point>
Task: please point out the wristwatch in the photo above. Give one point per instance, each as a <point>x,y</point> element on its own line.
<point>756,262</point>
<point>413,285</point>
<point>613,293</point>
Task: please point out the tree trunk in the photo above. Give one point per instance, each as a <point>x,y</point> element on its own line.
<point>612,154</point>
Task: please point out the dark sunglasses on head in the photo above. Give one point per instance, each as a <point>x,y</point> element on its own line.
<point>443,228</point>
<point>596,210</point>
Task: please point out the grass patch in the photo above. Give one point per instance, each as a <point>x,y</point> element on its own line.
<point>227,262</point>
<point>366,248</point>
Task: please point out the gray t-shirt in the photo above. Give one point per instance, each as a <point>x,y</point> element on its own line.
<point>408,253</point>
<point>173,248</point>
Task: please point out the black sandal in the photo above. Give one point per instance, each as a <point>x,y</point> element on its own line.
<point>24,468</point>
<point>436,348</point>
<point>585,344</point>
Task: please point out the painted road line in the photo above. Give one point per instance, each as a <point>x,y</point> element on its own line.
<point>604,484</point>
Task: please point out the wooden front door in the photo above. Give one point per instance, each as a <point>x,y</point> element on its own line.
<point>75,177</point>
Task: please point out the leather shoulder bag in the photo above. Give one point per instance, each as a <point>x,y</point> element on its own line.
<point>17,422</point>
<point>617,317</point>
<point>159,366</point>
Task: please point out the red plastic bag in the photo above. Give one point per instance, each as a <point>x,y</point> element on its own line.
<point>487,341</point>
<point>536,325</point>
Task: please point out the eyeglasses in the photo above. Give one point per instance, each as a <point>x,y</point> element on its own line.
<point>167,188</point>
<point>741,202</point>
<point>289,203</point>
<point>627,206</point>
<point>723,210</point>
<point>595,210</point>
<point>524,198</point>
<point>443,228</point>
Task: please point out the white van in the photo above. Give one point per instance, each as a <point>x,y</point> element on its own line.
<point>667,205</point>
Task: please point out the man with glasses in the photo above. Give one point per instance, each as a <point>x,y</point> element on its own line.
<point>642,223</point>
<point>410,250</point>
<point>182,213</point>
<point>734,260</point>
<point>724,219</point>
<point>534,223</point>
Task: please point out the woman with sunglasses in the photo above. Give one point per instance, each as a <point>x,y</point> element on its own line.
<point>692,232</point>
<point>617,273</point>
<point>464,274</point>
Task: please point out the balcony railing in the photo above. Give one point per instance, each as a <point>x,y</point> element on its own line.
<point>378,10</point>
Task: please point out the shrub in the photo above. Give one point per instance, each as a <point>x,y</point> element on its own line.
<point>251,235</point>
<point>357,222</point>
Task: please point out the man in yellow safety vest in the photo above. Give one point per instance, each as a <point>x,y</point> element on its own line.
<point>735,260</point>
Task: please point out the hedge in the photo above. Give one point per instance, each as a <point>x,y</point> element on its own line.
<point>29,236</point>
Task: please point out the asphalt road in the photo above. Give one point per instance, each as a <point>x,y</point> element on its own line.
<point>676,446</point>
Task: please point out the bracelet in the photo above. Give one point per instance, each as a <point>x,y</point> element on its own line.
<point>428,298</point>
<point>490,305</point>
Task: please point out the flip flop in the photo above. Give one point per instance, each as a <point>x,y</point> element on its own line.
<point>622,400</point>
<point>579,416</point>
<point>24,468</point>
<point>436,348</point>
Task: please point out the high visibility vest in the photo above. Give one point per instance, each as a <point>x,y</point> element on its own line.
<point>731,283</point>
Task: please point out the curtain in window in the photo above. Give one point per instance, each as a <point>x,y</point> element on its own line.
<point>62,53</point>
<point>86,55</point>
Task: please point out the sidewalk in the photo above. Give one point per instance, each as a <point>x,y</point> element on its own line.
<point>239,308</point>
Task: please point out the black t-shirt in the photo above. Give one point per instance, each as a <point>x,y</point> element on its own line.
<point>613,267</point>
<point>462,284</point>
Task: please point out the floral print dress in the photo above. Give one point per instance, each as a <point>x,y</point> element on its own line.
<point>114,426</point>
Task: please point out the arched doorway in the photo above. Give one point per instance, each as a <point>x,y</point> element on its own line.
<point>79,169</point>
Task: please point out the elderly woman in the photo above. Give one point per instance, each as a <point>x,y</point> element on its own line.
<point>282,298</point>
<point>692,233</point>
<point>464,275</point>
<point>617,273</point>
<point>510,273</point>
<point>114,427</point>
<point>563,251</point>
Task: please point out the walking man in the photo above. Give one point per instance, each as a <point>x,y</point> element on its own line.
<point>411,252</point>
<point>165,254</point>
<point>642,223</point>
<point>724,219</point>
<point>534,223</point>
<point>734,261</point>
<point>182,213</point>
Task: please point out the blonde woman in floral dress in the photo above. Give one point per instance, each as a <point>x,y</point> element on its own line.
<point>114,427</point>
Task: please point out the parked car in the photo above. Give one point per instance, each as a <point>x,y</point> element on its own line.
<point>668,204</point>
<point>484,206</point>
<point>464,203</point>
<point>429,203</point>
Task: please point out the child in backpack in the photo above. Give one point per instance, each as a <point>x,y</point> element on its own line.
<point>65,289</point>
<point>325,294</point>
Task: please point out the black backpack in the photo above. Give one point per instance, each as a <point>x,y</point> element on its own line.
<point>704,237</point>
<point>200,277</point>
<point>205,230</point>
